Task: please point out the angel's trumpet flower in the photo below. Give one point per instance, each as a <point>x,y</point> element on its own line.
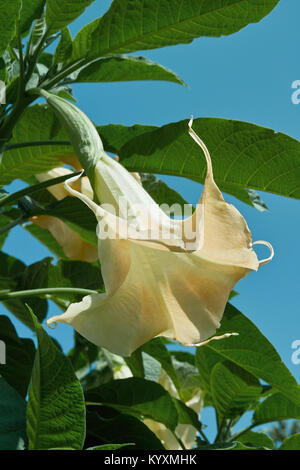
<point>72,244</point>
<point>163,277</point>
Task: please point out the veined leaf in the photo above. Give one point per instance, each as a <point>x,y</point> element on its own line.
<point>9,14</point>
<point>64,48</point>
<point>19,357</point>
<point>31,10</point>
<point>12,418</point>
<point>36,124</point>
<point>251,351</point>
<point>55,410</point>
<point>132,25</point>
<point>256,439</point>
<point>234,390</point>
<point>243,156</point>
<point>276,407</point>
<point>60,13</point>
<point>122,68</point>
<point>136,396</point>
<point>128,428</point>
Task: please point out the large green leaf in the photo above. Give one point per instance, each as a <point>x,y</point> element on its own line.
<point>276,407</point>
<point>55,410</point>
<point>15,276</point>
<point>9,14</point>
<point>31,10</point>
<point>127,429</point>
<point>136,396</point>
<point>60,13</point>
<point>122,68</point>
<point>234,390</point>
<point>256,439</point>
<point>37,124</point>
<point>114,136</point>
<point>251,351</point>
<point>77,216</point>
<point>243,156</point>
<point>12,418</point>
<point>19,357</point>
<point>291,443</point>
<point>132,25</point>
<point>64,48</point>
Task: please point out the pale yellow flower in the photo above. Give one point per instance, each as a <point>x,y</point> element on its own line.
<point>72,244</point>
<point>175,285</point>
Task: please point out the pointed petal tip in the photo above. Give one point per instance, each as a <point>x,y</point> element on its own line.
<point>191,121</point>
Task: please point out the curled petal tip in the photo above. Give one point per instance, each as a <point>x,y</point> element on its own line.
<point>191,121</point>
<point>51,324</point>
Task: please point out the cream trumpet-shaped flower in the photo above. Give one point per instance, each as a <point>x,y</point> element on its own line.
<point>175,285</point>
<point>72,244</point>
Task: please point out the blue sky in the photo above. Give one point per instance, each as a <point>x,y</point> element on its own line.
<point>246,76</point>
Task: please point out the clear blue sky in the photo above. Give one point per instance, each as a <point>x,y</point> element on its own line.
<point>246,76</point>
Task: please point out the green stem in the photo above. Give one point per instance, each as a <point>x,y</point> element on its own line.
<point>179,441</point>
<point>37,187</point>
<point>12,224</point>
<point>47,84</point>
<point>45,291</point>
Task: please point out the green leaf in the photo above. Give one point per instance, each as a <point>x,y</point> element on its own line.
<point>163,194</point>
<point>243,156</point>
<point>24,278</point>
<point>111,446</point>
<point>11,271</point>
<point>60,13</point>
<point>252,352</point>
<point>114,136</point>
<point>275,407</point>
<point>31,10</point>
<point>122,68</point>
<point>132,25</point>
<point>12,418</point>
<point>291,443</point>
<point>157,349</point>
<point>136,396</point>
<point>20,354</point>
<point>55,410</point>
<point>127,429</point>
<point>228,446</point>
<point>184,365</point>
<point>64,48</point>
<point>37,123</point>
<point>234,390</point>
<point>256,439</point>
<point>9,14</point>
<point>186,415</point>
<point>77,216</point>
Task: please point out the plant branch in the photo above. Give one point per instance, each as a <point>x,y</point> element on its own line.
<point>37,187</point>
<point>45,291</point>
